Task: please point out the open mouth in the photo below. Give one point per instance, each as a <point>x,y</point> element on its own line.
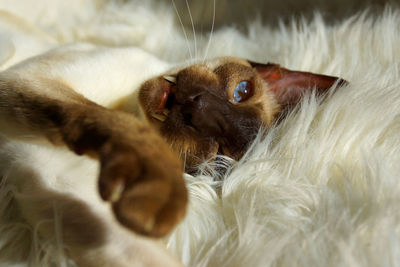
<point>167,99</point>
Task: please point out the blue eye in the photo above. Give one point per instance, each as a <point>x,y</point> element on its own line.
<point>242,91</point>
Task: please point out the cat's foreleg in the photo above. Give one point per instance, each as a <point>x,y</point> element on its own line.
<point>139,175</point>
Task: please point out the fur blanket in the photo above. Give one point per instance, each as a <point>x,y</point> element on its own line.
<point>321,189</point>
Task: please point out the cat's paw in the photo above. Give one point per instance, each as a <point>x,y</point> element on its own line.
<point>144,183</point>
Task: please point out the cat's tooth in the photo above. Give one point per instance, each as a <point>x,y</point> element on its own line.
<point>117,191</point>
<point>159,117</point>
<point>166,112</point>
<point>169,78</point>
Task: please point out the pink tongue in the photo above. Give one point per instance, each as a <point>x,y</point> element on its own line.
<point>165,92</point>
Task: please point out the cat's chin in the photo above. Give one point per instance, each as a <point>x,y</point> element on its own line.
<point>192,151</point>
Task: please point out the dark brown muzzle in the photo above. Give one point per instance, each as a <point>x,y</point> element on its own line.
<point>233,127</point>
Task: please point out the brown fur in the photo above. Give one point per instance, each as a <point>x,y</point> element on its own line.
<point>140,174</point>
<point>216,124</point>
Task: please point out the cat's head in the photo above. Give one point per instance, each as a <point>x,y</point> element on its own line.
<point>218,107</point>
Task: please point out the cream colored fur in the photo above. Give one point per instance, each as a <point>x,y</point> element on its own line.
<point>322,189</point>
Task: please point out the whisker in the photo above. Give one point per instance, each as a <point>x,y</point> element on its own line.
<point>211,33</point>
<point>183,29</point>
<point>184,161</point>
<point>182,157</point>
<point>194,31</point>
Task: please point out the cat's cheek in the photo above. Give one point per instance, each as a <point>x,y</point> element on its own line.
<point>151,95</point>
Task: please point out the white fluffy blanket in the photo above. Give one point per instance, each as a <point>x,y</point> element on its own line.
<point>321,189</point>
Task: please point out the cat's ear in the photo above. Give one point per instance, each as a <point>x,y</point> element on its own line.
<point>289,86</point>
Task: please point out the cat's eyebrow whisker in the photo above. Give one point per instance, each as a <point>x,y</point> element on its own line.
<point>211,33</point>
<point>183,29</point>
<point>194,30</point>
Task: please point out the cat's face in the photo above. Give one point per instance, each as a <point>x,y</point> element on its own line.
<point>219,106</point>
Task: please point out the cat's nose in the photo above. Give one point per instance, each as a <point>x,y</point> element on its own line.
<point>195,98</point>
<point>192,106</point>
<point>204,112</point>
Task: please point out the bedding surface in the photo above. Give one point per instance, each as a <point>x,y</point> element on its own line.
<point>320,189</point>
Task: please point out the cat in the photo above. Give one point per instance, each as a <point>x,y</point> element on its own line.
<point>145,122</point>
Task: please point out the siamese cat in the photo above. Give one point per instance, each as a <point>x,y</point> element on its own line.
<point>145,122</point>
